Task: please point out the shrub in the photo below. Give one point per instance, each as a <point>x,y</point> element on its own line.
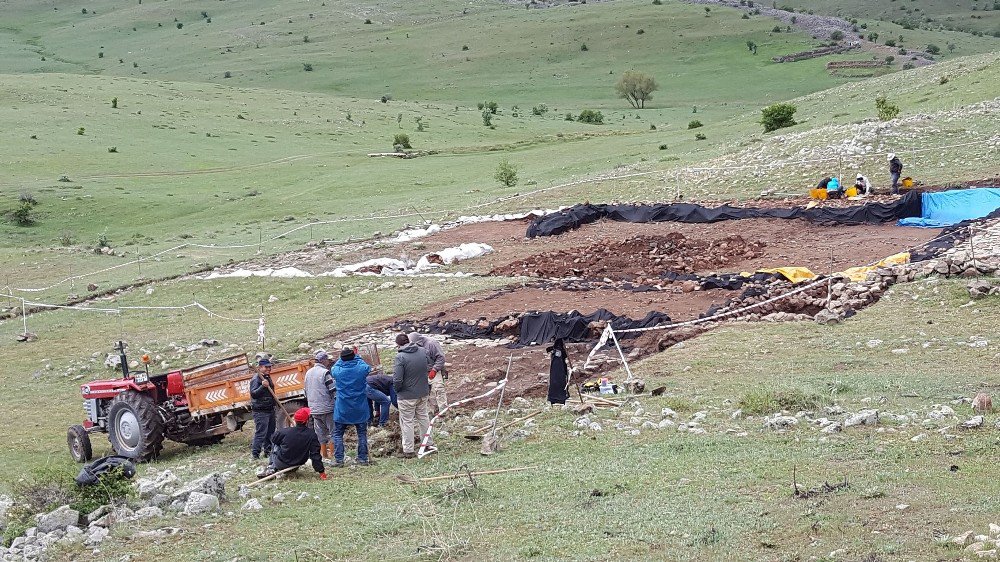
<point>67,238</point>
<point>401,139</point>
<point>777,116</point>
<point>24,214</point>
<point>135,65</point>
<point>180,25</point>
<point>933,49</point>
<point>837,35</point>
<point>902,51</point>
<point>368,22</point>
<point>492,107</point>
<point>569,117</point>
<point>663,147</point>
<point>506,173</point>
<point>776,29</point>
<point>767,401</point>
<point>745,16</point>
<point>540,109</point>
<point>100,54</point>
<point>80,131</point>
<point>307,67</point>
<point>465,47</point>
<point>657,2</point>
<point>640,32</point>
<point>305,39</point>
<point>908,66</point>
<point>487,118</point>
<point>943,80</point>
<point>885,109</point>
<point>204,15</point>
<point>890,42</point>
<point>591,116</point>
<point>113,149</point>
<point>583,47</point>
<point>700,137</point>
<point>227,74</point>
<point>480,106</point>
<point>114,103</point>
<point>889,59</point>
<point>694,124</point>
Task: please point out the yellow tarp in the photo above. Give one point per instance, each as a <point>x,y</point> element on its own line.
<point>860,273</point>
<point>793,274</point>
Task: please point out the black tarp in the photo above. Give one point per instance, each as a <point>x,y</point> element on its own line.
<point>869,213</point>
<point>91,474</point>
<point>543,327</point>
<point>536,327</point>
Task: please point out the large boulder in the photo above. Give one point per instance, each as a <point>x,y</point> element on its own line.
<point>864,417</point>
<point>57,519</point>
<point>214,484</point>
<point>198,503</point>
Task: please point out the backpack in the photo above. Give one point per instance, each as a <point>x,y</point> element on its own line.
<point>91,474</point>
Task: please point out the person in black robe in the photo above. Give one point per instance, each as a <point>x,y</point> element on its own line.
<point>558,372</point>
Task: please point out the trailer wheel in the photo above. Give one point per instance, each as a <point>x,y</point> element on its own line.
<point>79,444</point>
<point>290,407</point>
<point>135,428</point>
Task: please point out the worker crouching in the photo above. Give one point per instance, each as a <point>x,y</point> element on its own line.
<point>293,446</point>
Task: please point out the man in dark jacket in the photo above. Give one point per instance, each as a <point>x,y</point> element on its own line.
<point>295,445</point>
<point>262,406</point>
<point>409,377</point>
<point>381,393</point>
<point>895,170</point>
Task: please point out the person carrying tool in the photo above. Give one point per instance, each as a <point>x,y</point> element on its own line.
<point>320,394</point>
<point>295,445</point>
<point>381,393</point>
<point>559,372</point>
<point>409,378</point>
<point>351,408</point>
<point>895,170</point>
<point>262,404</point>
<point>437,374</point>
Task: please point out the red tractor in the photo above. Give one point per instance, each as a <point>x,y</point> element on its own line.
<point>197,406</point>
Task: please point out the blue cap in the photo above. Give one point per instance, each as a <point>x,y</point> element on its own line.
<point>264,362</point>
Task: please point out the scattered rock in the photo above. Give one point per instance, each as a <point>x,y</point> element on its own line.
<point>974,422</point>
<point>213,484</point>
<point>779,421</point>
<point>198,503</point>
<point>864,417</point>
<point>58,519</point>
<point>253,504</point>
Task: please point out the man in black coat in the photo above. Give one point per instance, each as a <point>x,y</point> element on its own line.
<point>262,406</point>
<point>895,170</point>
<point>293,446</point>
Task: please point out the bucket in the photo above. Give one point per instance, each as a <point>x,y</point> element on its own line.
<point>907,182</point>
<point>851,192</point>
<point>817,193</point>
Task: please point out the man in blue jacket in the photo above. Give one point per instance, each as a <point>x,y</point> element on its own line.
<point>262,406</point>
<point>350,374</point>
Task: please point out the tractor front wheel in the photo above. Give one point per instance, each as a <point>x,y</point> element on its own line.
<point>79,443</point>
<point>135,428</point>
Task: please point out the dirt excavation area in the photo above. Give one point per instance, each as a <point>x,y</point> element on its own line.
<point>678,271</point>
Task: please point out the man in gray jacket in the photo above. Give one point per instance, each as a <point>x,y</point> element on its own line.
<point>409,378</point>
<point>320,394</point>
<point>436,375</point>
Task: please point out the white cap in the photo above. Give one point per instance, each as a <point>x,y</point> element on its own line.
<point>891,155</point>
<point>860,176</point>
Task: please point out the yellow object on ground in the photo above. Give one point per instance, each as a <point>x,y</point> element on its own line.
<point>860,273</point>
<point>851,192</point>
<point>793,274</point>
<point>817,193</point>
<point>907,182</point>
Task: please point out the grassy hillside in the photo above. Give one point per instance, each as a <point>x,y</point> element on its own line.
<point>967,16</point>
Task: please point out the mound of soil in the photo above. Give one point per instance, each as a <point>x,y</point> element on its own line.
<point>636,258</point>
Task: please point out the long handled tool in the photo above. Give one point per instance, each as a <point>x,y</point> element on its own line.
<point>288,417</point>
<point>478,434</point>
<point>407,479</point>
<point>270,476</point>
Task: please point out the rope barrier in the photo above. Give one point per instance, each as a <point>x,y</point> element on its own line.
<point>425,439</point>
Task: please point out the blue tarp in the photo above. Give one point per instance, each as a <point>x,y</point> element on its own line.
<point>950,207</point>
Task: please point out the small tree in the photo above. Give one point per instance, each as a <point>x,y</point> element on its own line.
<point>24,214</point>
<point>752,47</point>
<point>307,67</point>
<point>402,140</point>
<point>885,109</point>
<point>487,118</point>
<point>492,106</point>
<point>114,103</point>
<point>591,116</point>
<point>636,87</point>
<point>777,116</point>
<point>506,173</point>
<point>694,124</point>
<point>837,35</point>
<point>933,49</point>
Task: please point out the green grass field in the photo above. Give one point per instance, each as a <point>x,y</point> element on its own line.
<point>201,160</point>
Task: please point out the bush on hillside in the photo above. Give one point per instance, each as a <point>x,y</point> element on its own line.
<point>506,173</point>
<point>24,214</point>
<point>636,87</point>
<point>569,117</point>
<point>540,109</point>
<point>933,49</point>
<point>401,140</point>
<point>777,116</point>
<point>890,42</point>
<point>837,35</point>
<point>885,109</point>
<point>583,47</point>
<point>180,25</point>
<point>591,116</point>
<point>487,118</point>
<point>694,124</point>
<point>81,131</point>
<point>700,137</point>
<point>307,67</point>
<point>767,401</point>
<point>492,106</point>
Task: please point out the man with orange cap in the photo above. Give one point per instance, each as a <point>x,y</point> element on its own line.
<point>295,445</point>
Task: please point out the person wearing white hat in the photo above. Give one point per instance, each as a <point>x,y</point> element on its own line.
<point>863,186</point>
<point>895,170</point>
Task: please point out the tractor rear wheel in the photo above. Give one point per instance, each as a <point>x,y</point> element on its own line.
<point>135,428</point>
<point>79,444</point>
